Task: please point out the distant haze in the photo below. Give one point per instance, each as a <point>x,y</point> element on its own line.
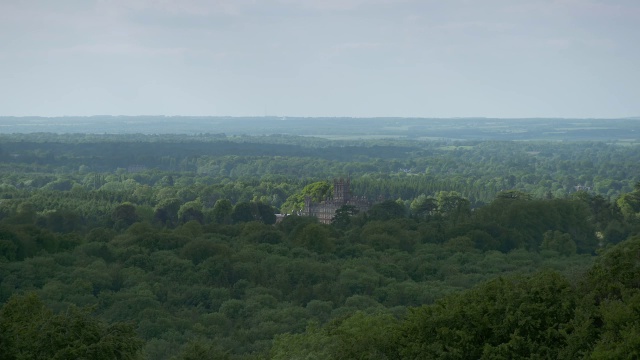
<point>356,58</point>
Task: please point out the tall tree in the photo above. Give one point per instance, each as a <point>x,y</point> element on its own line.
<point>29,330</point>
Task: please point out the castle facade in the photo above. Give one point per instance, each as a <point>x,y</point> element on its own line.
<point>326,210</point>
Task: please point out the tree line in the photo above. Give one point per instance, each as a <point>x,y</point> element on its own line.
<point>169,264</point>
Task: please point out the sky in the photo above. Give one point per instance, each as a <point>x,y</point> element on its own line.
<point>313,58</point>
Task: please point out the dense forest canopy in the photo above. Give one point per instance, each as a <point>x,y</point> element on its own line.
<point>168,246</point>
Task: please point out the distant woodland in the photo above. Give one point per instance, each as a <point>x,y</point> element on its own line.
<point>165,246</point>
<point>452,129</point>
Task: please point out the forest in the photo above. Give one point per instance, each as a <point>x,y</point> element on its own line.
<point>167,246</point>
<point>620,130</point>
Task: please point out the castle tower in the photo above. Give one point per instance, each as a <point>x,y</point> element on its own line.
<point>341,190</point>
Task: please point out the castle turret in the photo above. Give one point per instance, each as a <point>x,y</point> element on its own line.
<point>341,190</point>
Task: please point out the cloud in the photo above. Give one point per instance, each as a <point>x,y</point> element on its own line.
<point>120,49</point>
<point>592,8</point>
<point>189,7</point>
<point>476,26</point>
<point>342,5</point>
<point>358,46</point>
<point>228,47</point>
<point>326,5</point>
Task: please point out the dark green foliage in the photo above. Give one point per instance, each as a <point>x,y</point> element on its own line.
<point>293,223</point>
<point>191,211</point>
<point>198,250</point>
<point>518,222</point>
<point>266,213</point>
<point>187,250</point>
<point>8,250</point>
<point>542,316</point>
<point>222,211</point>
<point>61,221</point>
<point>386,210</point>
<point>515,318</point>
<point>616,271</point>
<point>258,232</point>
<point>629,205</point>
<point>558,241</point>
<point>124,215</point>
<point>358,336</point>
<point>251,211</point>
<point>607,326</point>
<point>342,217</point>
<point>422,206</point>
<point>201,350</point>
<point>453,207</point>
<point>29,330</point>
<point>315,237</point>
<point>166,211</point>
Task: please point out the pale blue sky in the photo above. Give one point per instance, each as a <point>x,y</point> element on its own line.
<point>360,58</point>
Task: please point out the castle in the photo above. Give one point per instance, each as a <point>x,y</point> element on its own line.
<point>326,210</point>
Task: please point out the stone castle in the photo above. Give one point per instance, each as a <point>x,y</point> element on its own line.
<point>326,210</point>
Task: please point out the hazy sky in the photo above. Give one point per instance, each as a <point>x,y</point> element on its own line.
<point>361,58</point>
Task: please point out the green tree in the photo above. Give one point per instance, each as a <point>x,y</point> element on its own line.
<point>359,336</point>
<point>166,211</point>
<point>222,211</point>
<point>558,241</point>
<point>244,212</point>
<point>316,237</point>
<point>453,206</point>
<point>29,330</point>
<point>629,205</point>
<point>342,217</point>
<point>251,211</point>
<point>124,215</point>
<point>191,211</point>
<point>517,318</point>
<point>317,191</point>
<point>200,349</point>
<point>386,210</point>
<point>266,213</point>
<point>423,206</point>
